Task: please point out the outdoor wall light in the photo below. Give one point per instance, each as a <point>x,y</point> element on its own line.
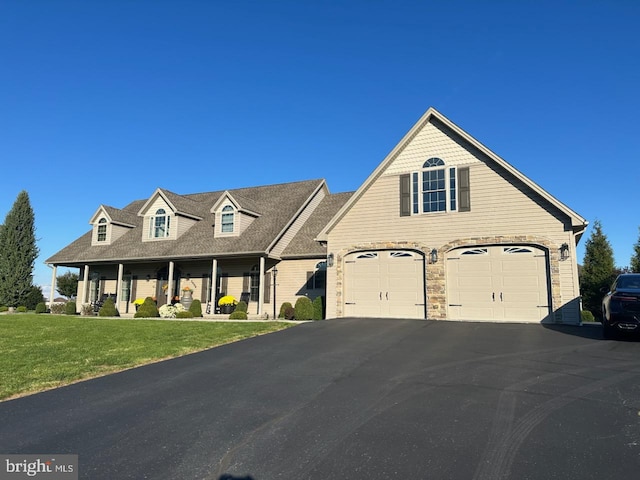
<point>433,256</point>
<point>188,276</point>
<point>148,277</point>
<point>330,260</point>
<point>564,251</point>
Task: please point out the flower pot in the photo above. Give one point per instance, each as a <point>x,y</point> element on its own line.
<point>227,309</point>
<point>186,300</point>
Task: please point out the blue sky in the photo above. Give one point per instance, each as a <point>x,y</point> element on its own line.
<point>101,102</point>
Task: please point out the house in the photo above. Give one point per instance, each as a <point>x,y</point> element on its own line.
<point>442,229</point>
<point>215,243</point>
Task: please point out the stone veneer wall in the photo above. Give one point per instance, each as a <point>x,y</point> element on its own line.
<point>435,276</point>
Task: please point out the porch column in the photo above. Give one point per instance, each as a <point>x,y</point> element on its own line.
<point>119,285</point>
<point>214,283</point>
<point>53,285</point>
<point>85,287</point>
<point>170,283</point>
<point>261,287</point>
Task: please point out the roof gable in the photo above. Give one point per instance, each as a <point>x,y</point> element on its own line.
<point>179,204</point>
<point>432,116</point>
<point>240,203</point>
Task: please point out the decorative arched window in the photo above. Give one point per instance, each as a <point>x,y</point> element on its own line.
<point>228,214</point>
<point>102,230</point>
<point>160,224</point>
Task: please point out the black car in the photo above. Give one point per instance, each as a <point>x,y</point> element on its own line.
<point>621,306</point>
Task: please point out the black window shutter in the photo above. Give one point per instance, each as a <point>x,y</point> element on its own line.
<point>224,284</point>
<point>134,288</point>
<point>267,288</point>
<point>405,195</point>
<point>465,190</point>
<point>205,288</point>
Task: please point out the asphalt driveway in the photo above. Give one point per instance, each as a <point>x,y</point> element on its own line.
<point>356,399</point>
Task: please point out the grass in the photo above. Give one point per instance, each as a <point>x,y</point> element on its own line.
<point>38,352</point>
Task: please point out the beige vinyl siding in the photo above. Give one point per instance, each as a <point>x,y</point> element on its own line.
<point>497,208</point>
<point>244,221</point>
<point>116,232</point>
<point>292,280</point>
<point>297,224</point>
<point>431,141</point>
<point>182,224</point>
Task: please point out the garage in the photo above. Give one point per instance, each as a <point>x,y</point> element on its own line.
<point>497,283</point>
<point>384,284</point>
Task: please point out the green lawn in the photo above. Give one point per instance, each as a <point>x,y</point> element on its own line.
<point>44,351</point>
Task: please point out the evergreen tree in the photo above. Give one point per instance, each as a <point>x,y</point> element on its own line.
<point>598,270</point>
<point>18,253</point>
<point>634,266</point>
<point>67,284</point>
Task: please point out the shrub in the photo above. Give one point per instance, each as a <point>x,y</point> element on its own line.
<point>238,315</point>
<point>242,306</point>
<point>184,314</point>
<point>289,313</point>
<point>108,309</point>
<point>170,311</point>
<point>147,309</point>
<point>21,309</point>
<point>318,308</point>
<point>587,316</point>
<point>70,308</point>
<point>41,308</point>
<point>303,309</point>
<point>87,310</point>
<point>57,308</point>
<point>4,308</point>
<point>34,297</point>
<point>196,308</point>
<point>283,309</point>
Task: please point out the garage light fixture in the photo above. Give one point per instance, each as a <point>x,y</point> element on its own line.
<point>564,251</point>
<point>433,256</point>
<point>330,260</point>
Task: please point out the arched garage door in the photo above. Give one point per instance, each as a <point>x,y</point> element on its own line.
<point>384,283</point>
<point>498,283</point>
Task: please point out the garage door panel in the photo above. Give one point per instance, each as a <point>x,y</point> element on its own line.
<point>384,284</point>
<point>497,283</point>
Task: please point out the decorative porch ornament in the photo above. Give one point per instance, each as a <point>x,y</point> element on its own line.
<point>187,297</point>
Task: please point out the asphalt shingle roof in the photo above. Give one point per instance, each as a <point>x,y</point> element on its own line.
<point>276,204</point>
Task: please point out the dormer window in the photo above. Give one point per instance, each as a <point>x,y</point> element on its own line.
<point>228,217</point>
<point>160,224</point>
<point>102,230</point>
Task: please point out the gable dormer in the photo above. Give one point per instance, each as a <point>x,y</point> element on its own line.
<point>108,226</point>
<point>166,216</point>
<point>233,214</point>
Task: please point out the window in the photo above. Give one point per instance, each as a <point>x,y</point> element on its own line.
<point>102,230</point>
<point>227,219</point>
<point>159,224</point>
<point>436,188</point>
<point>317,279</point>
<point>254,295</point>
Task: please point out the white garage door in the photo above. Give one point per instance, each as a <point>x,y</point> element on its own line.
<point>499,283</point>
<point>384,283</point>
